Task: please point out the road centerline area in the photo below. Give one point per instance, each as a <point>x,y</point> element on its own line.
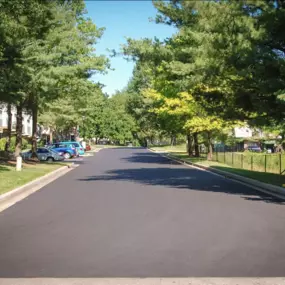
<point>128,212</point>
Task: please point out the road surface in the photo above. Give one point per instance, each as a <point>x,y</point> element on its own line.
<point>132,213</point>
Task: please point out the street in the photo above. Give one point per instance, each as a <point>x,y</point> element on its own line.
<point>128,212</point>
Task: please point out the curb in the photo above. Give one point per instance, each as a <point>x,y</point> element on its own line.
<point>12,197</point>
<point>257,185</point>
<point>261,186</point>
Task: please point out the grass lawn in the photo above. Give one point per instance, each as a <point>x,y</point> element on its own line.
<point>10,178</point>
<point>270,178</point>
<point>107,146</point>
<point>169,148</point>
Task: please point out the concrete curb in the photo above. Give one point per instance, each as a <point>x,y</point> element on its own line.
<point>260,186</point>
<point>12,197</point>
<point>265,187</point>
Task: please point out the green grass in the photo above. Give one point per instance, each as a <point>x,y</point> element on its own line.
<point>270,178</point>
<point>10,178</point>
<point>108,146</point>
<point>169,148</point>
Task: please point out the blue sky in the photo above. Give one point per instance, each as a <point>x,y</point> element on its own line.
<point>122,19</point>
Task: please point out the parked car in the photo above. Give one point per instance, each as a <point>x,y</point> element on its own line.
<point>65,150</point>
<point>77,145</point>
<point>44,154</point>
<point>254,149</point>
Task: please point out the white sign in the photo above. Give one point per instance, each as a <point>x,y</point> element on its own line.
<point>243,132</point>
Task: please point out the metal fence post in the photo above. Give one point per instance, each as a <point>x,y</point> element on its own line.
<point>224,156</point>
<point>232,159</point>
<point>265,163</point>
<point>251,159</point>
<point>280,163</point>
<point>241,161</point>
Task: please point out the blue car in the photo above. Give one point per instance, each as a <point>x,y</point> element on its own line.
<point>64,149</point>
<point>77,145</point>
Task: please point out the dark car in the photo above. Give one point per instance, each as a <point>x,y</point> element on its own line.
<point>254,149</point>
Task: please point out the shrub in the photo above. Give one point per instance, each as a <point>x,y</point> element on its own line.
<point>25,143</point>
<point>2,143</point>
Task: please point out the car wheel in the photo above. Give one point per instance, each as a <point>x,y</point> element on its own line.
<point>50,159</point>
<point>67,155</point>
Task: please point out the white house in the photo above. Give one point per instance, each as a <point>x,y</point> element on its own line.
<point>243,132</point>
<point>27,120</point>
<point>247,132</point>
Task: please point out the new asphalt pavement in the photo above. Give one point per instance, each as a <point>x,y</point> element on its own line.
<point>128,212</point>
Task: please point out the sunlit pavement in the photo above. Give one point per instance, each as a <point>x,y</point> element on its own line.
<point>133,213</point>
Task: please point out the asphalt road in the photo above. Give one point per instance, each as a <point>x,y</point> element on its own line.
<point>132,213</point>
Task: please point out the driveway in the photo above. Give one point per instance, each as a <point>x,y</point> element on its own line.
<point>132,213</point>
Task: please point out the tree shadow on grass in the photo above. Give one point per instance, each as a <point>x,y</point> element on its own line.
<point>4,169</point>
<point>186,179</point>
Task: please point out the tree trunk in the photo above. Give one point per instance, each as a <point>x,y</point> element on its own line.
<point>173,140</point>
<point>9,112</point>
<point>210,147</point>
<point>196,145</point>
<point>189,145</point>
<point>145,142</point>
<point>51,136</point>
<point>19,130</point>
<point>34,135</point>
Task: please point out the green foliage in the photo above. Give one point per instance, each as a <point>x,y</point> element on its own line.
<point>2,143</point>
<point>229,55</point>
<point>25,143</point>
<point>118,125</point>
<point>47,54</point>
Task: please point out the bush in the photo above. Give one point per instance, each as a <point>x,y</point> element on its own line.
<point>41,143</point>
<point>2,143</point>
<point>25,143</point>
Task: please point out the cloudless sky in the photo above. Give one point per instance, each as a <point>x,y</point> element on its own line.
<point>123,19</point>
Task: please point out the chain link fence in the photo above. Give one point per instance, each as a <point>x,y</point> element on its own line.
<point>271,163</point>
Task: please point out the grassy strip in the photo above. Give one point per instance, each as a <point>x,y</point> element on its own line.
<point>168,148</point>
<point>10,178</point>
<point>269,178</point>
<point>108,146</point>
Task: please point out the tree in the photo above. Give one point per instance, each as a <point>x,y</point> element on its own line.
<point>118,125</point>
<point>36,50</point>
<point>232,45</point>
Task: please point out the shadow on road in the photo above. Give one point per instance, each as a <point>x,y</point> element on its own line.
<point>184,178</point>
<point>147,157</point>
